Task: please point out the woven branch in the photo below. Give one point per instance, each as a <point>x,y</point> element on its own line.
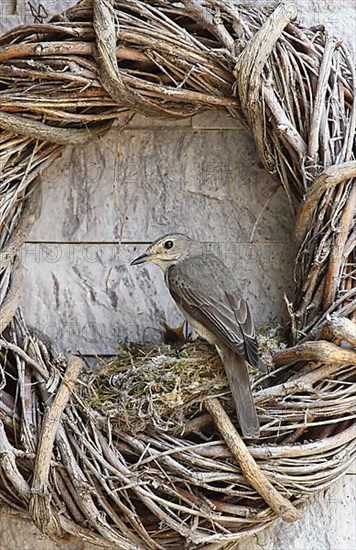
<point>64,463</point>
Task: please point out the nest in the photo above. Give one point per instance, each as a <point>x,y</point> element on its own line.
<point>148,387</point>
<point>147,453</point>
<point>163,391</point>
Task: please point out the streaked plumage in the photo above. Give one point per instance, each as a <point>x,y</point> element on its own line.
<point>216,302</point>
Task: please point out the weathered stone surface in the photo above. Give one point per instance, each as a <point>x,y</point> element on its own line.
<point>215,120</point>
<point>327,523</point>
<point>134,186</point>
<point>142,121</point>
<point>137,184</point>
<point>87,297</point>
<point>13,12</point>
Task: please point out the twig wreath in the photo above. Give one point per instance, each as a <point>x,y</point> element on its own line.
<point>65,465</point>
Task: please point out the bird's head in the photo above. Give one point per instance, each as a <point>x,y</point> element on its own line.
<point>167,250</point>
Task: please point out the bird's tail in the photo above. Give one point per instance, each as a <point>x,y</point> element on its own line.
<point>237,374</point>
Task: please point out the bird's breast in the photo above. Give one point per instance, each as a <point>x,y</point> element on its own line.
<point>202,331</point>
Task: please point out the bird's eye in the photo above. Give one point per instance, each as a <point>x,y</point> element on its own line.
<point>168,245</point>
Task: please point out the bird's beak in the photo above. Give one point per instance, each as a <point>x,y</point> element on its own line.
<point>141,259</point>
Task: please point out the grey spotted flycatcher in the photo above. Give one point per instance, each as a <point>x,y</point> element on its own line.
<point>207,295</point>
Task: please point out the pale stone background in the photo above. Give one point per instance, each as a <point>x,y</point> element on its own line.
<point>102,203</point>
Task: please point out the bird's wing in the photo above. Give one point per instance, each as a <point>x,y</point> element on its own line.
<point>224,312</point>
<point>245,322</point>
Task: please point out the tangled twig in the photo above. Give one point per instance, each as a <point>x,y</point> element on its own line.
<point>64,461</point>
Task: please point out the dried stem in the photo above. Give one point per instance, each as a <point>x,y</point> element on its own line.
<point>251,471</point>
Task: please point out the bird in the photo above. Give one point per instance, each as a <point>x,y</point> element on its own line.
<point>206,293</point>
